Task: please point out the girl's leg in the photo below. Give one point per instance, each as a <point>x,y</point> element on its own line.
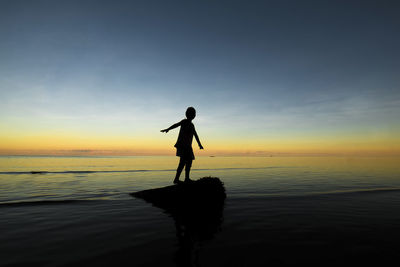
<point>187,169</point>
<point>179,170</point>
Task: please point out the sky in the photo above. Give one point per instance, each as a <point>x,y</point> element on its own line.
<point>266,77</point>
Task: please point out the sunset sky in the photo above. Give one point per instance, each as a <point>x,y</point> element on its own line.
<point>266,77</point>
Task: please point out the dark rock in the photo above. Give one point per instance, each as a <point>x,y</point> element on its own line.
<point>205,193</point>
<point>197,209</point>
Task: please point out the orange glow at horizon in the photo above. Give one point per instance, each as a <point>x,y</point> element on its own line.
<point>163,145</point>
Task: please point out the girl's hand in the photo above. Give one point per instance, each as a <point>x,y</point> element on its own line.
<point>201,147</point>
<point>164,131</point>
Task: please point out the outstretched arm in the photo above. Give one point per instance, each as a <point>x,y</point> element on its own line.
<point>198,140</point>
<point>172,127</point>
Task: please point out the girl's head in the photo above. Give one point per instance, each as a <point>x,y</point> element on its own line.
<point>190,113</point>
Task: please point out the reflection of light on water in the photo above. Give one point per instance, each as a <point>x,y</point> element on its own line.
<point>28,164</point>
<point>85,177</point>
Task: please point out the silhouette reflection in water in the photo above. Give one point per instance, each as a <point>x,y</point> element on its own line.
<point>197,209</point>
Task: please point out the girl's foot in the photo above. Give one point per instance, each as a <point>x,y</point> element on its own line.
<point>176,181</point>
<point>187,180</point>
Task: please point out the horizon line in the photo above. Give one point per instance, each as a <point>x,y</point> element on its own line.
<point>127,153</point>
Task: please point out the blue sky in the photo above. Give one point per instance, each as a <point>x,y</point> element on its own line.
<point>253,69</point>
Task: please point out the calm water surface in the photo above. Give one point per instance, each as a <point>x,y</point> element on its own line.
<point>60,211</point>
<point>108,178</point>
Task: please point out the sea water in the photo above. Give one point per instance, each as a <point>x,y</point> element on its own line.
<point>60,211</point>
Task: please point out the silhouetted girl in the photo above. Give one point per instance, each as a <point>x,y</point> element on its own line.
<point>184,143</point>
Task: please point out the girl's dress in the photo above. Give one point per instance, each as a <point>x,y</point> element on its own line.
<point>184,143</point>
